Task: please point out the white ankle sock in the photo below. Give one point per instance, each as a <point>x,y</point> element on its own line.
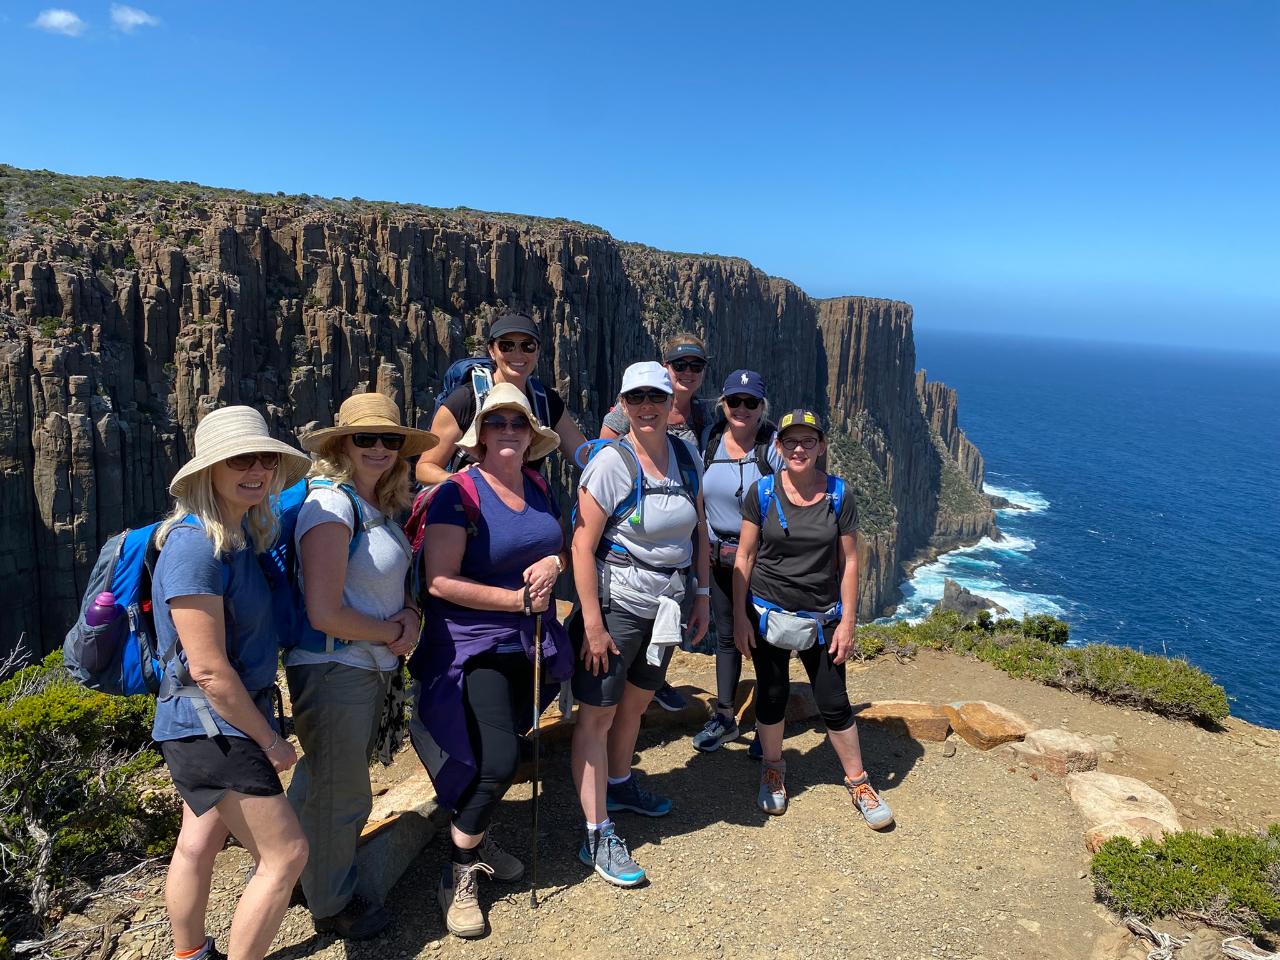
<point>614,781</point>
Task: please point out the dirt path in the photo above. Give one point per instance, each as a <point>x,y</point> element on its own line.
<point>985,862</point>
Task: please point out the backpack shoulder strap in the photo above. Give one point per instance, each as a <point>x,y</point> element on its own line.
<point>362,521</point>
<point>541,402</point>
<point>835,493</point>
<point>710,440</point>
<point>469,499</point>
<point>764,496</point>
<point>689,476</point>
<point>538,481</point>
<point>481,383</point>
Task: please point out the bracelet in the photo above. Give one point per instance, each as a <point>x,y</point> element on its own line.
<point>528,601</point>
<point>275,742</point>
<point>559,565</point>
<point>703,592</point>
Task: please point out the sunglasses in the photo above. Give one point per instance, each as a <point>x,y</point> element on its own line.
<point>751,403</point>
<point>790,443</point>
<point>392,441</point>
<point>511,346</point>
<point>245,461</point>
<point>693,366</point>
<point>514,424</point>
<point>636,397</point>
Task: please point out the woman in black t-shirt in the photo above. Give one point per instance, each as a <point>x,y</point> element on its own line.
<point>800,557</point>
<point>515,345</point>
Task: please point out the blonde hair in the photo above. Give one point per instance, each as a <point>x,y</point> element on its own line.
<point>200,500</point>
<point>682,340</point>
<point>392,493</point>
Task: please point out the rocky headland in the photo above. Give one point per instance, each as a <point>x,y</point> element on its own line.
<point>128,307</point>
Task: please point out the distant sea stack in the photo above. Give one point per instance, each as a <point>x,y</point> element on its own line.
<point>130,307</point>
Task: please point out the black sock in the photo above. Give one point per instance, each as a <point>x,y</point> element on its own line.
<point>463,856</point>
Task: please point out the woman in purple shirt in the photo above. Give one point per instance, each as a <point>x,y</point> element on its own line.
<point>496,547</point>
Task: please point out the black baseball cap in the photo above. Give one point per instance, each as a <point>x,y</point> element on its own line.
<point>801,418</point>
<point>514,323</point>
<point>685,351</point>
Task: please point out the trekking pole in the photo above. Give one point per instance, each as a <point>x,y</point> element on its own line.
<point>537,747</point>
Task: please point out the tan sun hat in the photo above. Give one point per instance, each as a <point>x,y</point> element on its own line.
<point>230,431</point>
<point>371,413</point>
<point>507,396</point>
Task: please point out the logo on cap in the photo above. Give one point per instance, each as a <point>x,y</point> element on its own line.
<point>745,378</point>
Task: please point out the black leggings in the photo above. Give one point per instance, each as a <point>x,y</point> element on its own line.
<point>728,659</point>
<point>498,700</point>
<point>774,682</point>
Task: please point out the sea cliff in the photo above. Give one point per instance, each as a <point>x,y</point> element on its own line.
<point>128,307</point>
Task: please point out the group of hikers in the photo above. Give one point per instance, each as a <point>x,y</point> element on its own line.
<point>687,513</point>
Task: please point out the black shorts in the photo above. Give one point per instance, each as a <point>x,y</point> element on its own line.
<point>631,635</point>
<point>205,768</point>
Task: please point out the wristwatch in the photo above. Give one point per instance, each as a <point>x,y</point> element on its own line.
<point>703,592</point>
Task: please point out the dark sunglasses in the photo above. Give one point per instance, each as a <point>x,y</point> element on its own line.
<point>392,441</point>
<point>637,397</point>
<point>514,424</point>
<point>511,346</point>
<point>693,366</point>
<point>751,403</point>
<point>245,461</point>
<point>790,443</point>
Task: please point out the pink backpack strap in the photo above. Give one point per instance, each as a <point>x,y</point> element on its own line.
<point>470,498</point>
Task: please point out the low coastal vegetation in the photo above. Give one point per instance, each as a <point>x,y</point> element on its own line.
<point>1035,648</point>
<point>80,795</point>
<point>1228,880</point>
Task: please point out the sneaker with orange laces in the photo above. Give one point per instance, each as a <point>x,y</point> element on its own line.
<point>773,791</point>
<point>873,809</point>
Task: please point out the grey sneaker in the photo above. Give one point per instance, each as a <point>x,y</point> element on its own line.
<point>505,866</point>
<point>773,791</point>
<point>458,901</point>
<point>607,853</point>
<point>719,729</point>
<point>869,803</point>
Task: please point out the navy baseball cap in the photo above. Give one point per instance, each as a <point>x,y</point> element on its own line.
<point>514,323</point>
<point>744,382</point>
<point>685,351</point>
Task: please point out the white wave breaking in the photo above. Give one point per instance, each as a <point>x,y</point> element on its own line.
<point>1029,501</point>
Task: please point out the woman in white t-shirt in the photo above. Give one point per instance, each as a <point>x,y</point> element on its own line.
<point>353,560</point>
<point>640,532</point>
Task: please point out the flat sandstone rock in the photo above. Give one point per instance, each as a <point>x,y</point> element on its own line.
<point>1055,751</point>
<point>1120,806</point>
<point>919,721</point>
<point>985,725</point>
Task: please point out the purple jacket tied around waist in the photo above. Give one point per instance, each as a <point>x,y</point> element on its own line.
<point>439,730</point>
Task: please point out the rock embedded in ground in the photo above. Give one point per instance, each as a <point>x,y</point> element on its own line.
<point>1059,752</point>
<point>985,725</point>
<point>1115,806</point>
<point>912,718</point>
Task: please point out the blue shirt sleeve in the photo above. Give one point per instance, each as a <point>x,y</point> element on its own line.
<point>446,506</point>
<point>190,566</point>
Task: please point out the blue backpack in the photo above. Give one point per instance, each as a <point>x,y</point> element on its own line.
<point>280,565</point>
<point>121,657</point>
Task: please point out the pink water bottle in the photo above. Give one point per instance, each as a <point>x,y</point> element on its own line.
<point>107,622</point>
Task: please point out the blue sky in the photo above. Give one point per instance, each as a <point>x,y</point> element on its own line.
<point>1098,170</point>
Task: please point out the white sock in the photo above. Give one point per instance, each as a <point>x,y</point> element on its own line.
<point>592,827</point>
<point>614,781</point>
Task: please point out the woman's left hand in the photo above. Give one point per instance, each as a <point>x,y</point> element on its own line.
<point>842,641</point>
<point>541,576</point>
<point>410,623</point>
<point>700,619</point>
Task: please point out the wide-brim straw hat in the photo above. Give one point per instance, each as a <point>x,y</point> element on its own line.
<point>230,431</point>
<point>507,396</point>
<point>371,413</point>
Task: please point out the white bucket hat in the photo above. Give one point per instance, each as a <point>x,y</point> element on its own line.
<point>507,396</point>
<point>230,431</point>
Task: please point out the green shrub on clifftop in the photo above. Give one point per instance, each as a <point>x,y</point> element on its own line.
<point>1230,880</point>
<point>1163,685</point>
<point>77,772</point>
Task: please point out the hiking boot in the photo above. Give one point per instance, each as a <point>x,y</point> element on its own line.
<point>629,795</point>
<point>719,729</point>
<point>755,751</point>
<point>209,951</point>
<point>607,853</point>
<point>358,920</point>
<point>505,866</point>
<point>670,699</point>
<point>873,809</point>
<point>458,901</point>
<point>773,791</point>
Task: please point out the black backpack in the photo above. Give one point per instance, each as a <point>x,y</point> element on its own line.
<point>764,437</point>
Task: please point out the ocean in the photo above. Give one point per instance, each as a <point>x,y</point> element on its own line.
<point>1149,475</point>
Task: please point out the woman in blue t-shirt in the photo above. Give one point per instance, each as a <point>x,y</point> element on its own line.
<point>496,549</point>
<point>214,717</point>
